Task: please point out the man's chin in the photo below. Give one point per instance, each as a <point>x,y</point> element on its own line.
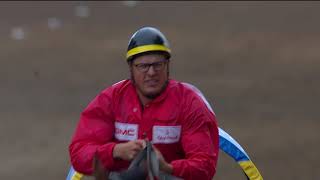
<point>151,95</point>
<point>152,92</point>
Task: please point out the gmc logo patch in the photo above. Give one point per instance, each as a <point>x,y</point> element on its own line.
<point>126,132</point>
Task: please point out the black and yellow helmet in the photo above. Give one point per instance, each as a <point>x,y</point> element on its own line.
<point>147,39</point>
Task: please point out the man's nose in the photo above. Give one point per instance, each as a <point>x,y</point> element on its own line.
<point>151,70</point>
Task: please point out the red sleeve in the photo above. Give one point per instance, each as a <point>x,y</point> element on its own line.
<point>200,142</point>
<point>94,134</point>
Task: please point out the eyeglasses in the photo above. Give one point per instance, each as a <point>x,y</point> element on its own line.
<point>144,67</point>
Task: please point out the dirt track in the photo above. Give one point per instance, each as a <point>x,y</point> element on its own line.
<point>257,63</point>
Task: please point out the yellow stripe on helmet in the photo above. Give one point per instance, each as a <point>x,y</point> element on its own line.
<point>146,48</point>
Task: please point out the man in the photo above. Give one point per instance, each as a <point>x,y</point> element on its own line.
<point>173,115</point>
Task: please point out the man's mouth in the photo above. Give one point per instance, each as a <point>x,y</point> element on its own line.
<point>151,82</point>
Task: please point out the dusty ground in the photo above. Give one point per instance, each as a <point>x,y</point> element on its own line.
<point>256,62</point>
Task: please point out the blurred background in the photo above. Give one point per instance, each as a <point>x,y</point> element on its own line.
<point>256,62</point>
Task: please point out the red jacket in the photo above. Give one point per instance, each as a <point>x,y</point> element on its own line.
<point>180,123</point>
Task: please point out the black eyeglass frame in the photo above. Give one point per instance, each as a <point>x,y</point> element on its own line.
<point>157,66</point>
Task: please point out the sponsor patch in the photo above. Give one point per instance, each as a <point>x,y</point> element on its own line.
<point>126,132</point>
<point>166,134</point>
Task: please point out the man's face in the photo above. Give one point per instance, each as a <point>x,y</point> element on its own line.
<point>150,74</point>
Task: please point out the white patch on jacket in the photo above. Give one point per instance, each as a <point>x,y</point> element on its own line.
<point>166,134</point>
